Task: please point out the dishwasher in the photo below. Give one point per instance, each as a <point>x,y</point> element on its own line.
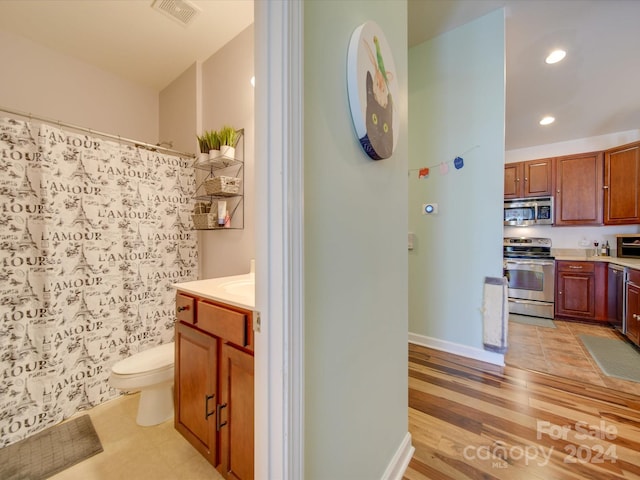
<point>616,280</point>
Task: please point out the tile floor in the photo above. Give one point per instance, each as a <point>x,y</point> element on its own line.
<point>137,453</point>
<point>559,351</point>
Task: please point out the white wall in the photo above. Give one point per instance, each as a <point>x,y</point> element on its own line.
<point>38,80</point>
<point>228,98</point>
<point>355,284</point>
<point>572,237</point>
<point>457,105</point>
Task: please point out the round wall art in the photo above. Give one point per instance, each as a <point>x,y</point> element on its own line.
<point>373,90</point>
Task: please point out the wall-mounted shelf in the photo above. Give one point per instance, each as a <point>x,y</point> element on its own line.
<point>225,168</point>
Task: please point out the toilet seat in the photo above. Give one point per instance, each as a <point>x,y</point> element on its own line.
<point>146,362</point>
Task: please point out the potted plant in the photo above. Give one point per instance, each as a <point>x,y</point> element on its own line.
<point>228,139</point>
<point>213,139</point>
<point>203,145</point>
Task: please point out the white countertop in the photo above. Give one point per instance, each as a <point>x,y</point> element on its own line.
<point>237,290</point>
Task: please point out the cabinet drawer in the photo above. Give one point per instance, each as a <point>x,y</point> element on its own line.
<point>582,267</point>
<point>185,308</point>
<point>224,323</point>
<point>634,276</point>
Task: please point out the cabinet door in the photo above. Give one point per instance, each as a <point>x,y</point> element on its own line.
<point>195,389</point>
<point>633,312</point>
<point>622,189</point>
<point>578,199</point>
<point>538,178</point>
<point>575,290</point>
<point>236,413</point>
<point>512,180</point>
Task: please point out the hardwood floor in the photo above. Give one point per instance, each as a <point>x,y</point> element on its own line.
<point>471,420</point>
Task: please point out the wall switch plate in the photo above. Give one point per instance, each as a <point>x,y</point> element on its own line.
<point>411,239</point>
<point>429,208</point>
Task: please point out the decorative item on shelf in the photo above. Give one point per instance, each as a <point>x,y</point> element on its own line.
<point>222,185</point>
<point>203,145</point>
<point>205,215</point>
<point>213,139</point>
<point>202,207</point>
<point>228,138</point>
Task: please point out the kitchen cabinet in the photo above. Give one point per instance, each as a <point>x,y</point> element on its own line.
<point>581,290</point>
<point>633,306</point>
<point>214,389</point>
<point>578,195</point>
<point>622,185</point>
<point>533,178</point>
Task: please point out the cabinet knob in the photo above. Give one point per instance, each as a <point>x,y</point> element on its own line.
<point>557,191</point>
<point>560,293</point>
<point>182,309</point>
<point>526,179</point>
<point>605,187</point>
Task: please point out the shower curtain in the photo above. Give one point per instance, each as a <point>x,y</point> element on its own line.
<point>93,233</point>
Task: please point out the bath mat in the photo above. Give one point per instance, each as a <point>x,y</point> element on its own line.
<point>50,451</point>
<point>615,357</point>
<point>536,321</point>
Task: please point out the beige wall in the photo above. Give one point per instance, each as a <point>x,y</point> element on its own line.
<point>178,112</point>
<point>38,80</point>
<point>227,98</point>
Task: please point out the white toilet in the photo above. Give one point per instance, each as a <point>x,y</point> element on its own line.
<point>151,372</point>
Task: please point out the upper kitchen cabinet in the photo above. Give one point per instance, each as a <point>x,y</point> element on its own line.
<point>578,195</point>
<point>621,185</point>
<point>533,178</point>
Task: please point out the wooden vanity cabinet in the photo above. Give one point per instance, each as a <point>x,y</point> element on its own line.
<point>622,185</point>
<point>580,290</point>
<point>214,391</point>
<point>533,178</point>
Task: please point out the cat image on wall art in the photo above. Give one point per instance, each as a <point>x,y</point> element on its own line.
<point>370,91</point>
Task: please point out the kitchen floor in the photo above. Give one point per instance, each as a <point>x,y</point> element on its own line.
<point>137,453</point>
<point>559,351</point>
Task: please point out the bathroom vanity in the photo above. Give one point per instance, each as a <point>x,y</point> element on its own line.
<point>214,392</point>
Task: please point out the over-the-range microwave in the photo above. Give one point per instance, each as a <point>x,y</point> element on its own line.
<point>523,212</point>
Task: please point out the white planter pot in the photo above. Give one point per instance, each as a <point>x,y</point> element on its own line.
<point>214,154</point>
<point>202,158</point>
<point>227,151</point>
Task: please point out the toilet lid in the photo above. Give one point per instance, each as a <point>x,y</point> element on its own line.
<point>154,358</point>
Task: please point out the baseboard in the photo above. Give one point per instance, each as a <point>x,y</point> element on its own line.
<point>457,349</point>
<point>400,461</point>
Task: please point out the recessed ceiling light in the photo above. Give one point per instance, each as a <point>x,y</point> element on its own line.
<point>548,120</point>
<point>555,56</point>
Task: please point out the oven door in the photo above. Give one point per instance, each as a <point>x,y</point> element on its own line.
<point>531,287</point>
<point>530,279</point>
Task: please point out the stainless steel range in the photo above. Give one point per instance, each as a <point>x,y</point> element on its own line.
<point>530,271</point>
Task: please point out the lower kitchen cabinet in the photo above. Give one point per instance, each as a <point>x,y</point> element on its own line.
<point>633,306</point>
<point>214,389</point>
<point>580,290</point>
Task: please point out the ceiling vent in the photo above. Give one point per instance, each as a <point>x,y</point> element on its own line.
<point>181,11</point>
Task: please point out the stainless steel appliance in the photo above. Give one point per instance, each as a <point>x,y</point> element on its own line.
<point>523,212</point>
<point>616,279</point>
<point>530,271</point>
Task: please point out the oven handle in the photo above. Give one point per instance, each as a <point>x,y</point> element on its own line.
<point>544,263</point>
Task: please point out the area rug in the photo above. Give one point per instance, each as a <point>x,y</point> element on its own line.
<point>536,321</point>
<point>50,451</point>
<point>615,357</point>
